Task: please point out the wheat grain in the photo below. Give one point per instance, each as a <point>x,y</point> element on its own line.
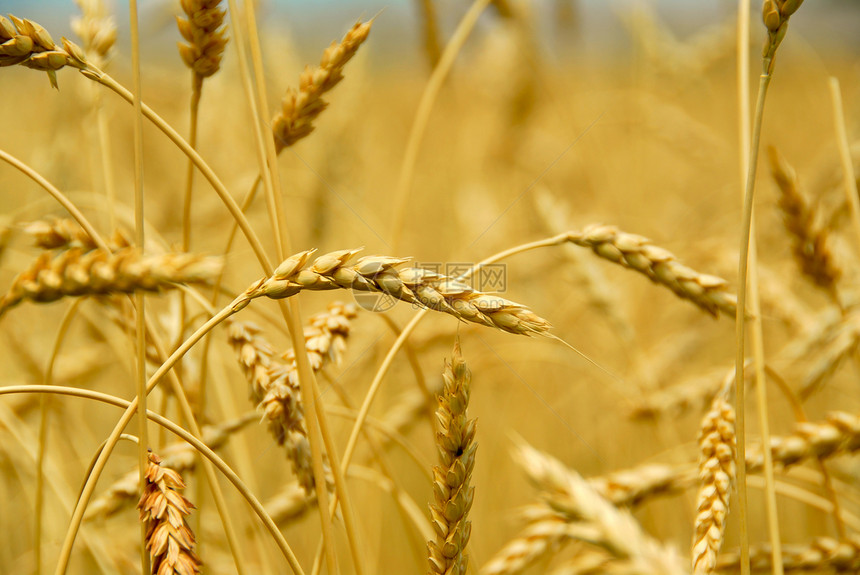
<point>661,266</point>
<point>73,272</point>
<point>810,246</point>
<point>378,274</point>
<point>717,445</point>
<point>452,492</point>
<point>163,509</point>
<point>206,39</point>
<point>300,108</point>
<point>823,554</point>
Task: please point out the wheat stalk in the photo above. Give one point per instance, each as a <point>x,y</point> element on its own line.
<point>74,272</point>
<point>378,274</point>
<point>822,554</point>
<point>810,246</point>
<point>717,445</point>
<point>661,266</point>
<point>274,382</point>
<point>299,108</point>
<point>452,493</point>
<point>163,509</point>
<point>206,39</point>
<point>180,457</point>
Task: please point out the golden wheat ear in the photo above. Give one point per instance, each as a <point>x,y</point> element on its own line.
<point>452,492</point>
<point>163,510</point>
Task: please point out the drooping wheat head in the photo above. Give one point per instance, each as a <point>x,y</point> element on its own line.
<point>274,381</point>
<point>418,286</point>
<point>710,293</point>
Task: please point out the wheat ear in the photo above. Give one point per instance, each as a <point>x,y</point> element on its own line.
<point>74,272</point>
<point>65,233</point>
<point>594,519</point>
<point>775,14</point>
<point>823,554</point>
<point>709,292</point>
<point>202,29</point>
<point>163,510</point>
<point>378,274</point>
<point>27,43</point>
<point>299,108</point>
<point>452,493</point>
<point>810,246</point>
<point>274,381</point>
<point>96,30</point>
<point>545,531</point>
<point>717,446</point>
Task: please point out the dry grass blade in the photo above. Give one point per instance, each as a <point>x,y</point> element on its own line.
<point>301,107</point>
<point>202,29</point>
<point>717,444</point>
<point>810,246</point>
<point>163,509</point>
<point>824,554</point>
<point>418,286</point>
<point>452,493</point>
<point>96,30</point>
<point>74,272</point>
<point>593,519</point>
<point>709,292</point>
<point>274,381</point>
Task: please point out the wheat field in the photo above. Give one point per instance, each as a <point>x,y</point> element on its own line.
<point>439,288</point>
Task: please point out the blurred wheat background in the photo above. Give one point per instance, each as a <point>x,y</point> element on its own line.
<point>554,116</point>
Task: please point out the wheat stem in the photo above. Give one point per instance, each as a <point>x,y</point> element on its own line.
<point>210,455</point>
<point>422,116</point>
